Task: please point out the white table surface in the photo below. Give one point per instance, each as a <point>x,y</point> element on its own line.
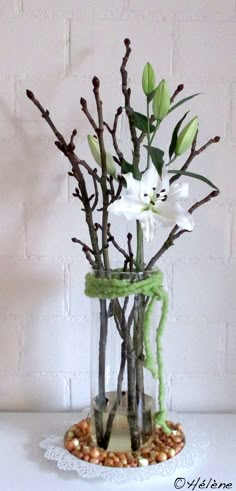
<point>24,468</point>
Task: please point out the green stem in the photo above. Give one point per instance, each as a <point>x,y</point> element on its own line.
<point>148,134</point>
<point>139,254</point>
<point>154,132</point>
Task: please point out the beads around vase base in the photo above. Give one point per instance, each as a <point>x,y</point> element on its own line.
<point>78,441</point>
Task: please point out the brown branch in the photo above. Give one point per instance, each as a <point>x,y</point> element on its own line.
<point>152,118</point>
<point>113,130</point>
<point>100,131</point>
<point>78,241</point>
<point>84,108</point>
<point>130,251</point>
<point>176,233</point>
<point>87,251</point>
<point>111,239</point>
<point>119,189</point>
<point>128,109</point>
<point>77,194</point>
<point>194,153</point>
<point>96,195</point>
<point>76,171</point>
<point>71,145</point>
<point>176,92</point>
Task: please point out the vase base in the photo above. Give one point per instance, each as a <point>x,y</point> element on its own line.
<point>161,447</point>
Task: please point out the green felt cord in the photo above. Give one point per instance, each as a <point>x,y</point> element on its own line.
<point>151,286</point>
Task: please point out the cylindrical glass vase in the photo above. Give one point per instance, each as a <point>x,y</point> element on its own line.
<point>123,391</point>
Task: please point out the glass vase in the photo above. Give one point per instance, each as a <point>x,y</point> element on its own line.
<point>123,391</point>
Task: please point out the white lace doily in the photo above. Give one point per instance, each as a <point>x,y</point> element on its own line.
<point>196,446</point>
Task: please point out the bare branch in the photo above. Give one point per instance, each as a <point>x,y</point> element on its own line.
<point>176,92</point>
<point>76,171</point>
<point>127,93</point>
<point>176,233</point>
<point>84,107</point>
<point>100,131</point>
<point>113,130</point>
<point>194,154</point>
<point>131,255</point>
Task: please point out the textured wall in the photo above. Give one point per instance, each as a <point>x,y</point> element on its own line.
<point>54,47</point>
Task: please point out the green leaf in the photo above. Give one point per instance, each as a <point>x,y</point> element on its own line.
<point>141,122</point>
<point>183,101</point>
<point>175,135</point>
<point>156,155</point>
<point>195,176</point>
<point>126,168</point>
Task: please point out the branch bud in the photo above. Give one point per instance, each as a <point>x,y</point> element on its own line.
<point>96,82</point>
<point>30,94</point>
<point>83,102</point>
<point>216,139</point>
<point>180,87</point>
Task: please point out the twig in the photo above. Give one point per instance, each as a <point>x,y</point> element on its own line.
<point>176,92</point>
<point>176,233</point>
<point>74,160</point>
<point>78,241</point>
<point>111,239</point>
<point>96,195</point>
<point>77,194</point>
<point>131,255</point>
<point>99,131</point>
<point>84,107</point>
<point>113,130</point>
<point>71,145</point>
<point>194,207</point>
<point>194,154</point>
<point>119,189</point>
<point>87,251</point>
<point>127,92</point>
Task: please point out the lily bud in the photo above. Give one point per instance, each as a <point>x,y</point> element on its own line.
<point>186,136</point>
<point>95,150</point>
<point>161,101</point>
<point>148,79</point>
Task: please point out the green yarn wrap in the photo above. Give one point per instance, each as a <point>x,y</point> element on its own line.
<point>152,287</point>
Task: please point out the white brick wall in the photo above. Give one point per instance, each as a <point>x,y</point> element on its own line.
<point>54,48</point>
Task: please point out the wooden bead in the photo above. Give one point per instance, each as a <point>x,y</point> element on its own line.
<point>94,461</point>
<point>171,452</point>
<point>83,425</point>
<point>69,445</point>
<point>161,457</point>
<point>94,453</point>
<point>109,462</point>
<point>86,458</point>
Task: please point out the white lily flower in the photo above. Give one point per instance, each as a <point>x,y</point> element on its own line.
<point>153,201</point>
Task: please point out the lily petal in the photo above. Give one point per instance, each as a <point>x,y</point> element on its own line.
<point>133,185</point>
<point>175,214</point>
<point>149,224</point>
<point>179,191</point>
<point>149,181</point>
<point>130,208</point>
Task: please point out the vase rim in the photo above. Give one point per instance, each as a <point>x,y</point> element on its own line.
<point>125,274</point>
